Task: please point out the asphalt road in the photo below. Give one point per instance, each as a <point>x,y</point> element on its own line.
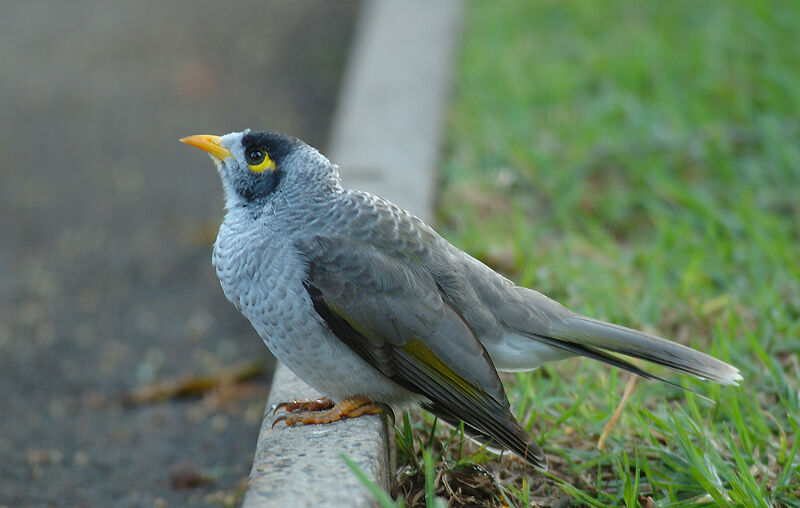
<point>107,222</point>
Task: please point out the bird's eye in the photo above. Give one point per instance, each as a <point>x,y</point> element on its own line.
<point>258,160</point>
<point>255,156</point>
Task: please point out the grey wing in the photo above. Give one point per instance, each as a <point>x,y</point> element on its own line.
<point>391,312</point>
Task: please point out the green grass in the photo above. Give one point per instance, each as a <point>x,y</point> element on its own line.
<point>640,163</point>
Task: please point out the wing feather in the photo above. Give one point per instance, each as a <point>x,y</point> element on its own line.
<point>390,312</point>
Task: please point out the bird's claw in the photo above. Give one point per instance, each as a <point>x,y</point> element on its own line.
<point>278,407</point>
<point>288,418</point>
<point>304,405</point>
<point>323,411</point>
<point>387,409</point>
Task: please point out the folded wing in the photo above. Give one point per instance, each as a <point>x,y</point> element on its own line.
<point>390,311</point>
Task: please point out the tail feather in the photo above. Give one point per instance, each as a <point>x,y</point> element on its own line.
<point>584,331</point>
<point>609,359</point>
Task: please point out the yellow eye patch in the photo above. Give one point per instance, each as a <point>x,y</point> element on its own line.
<point>258,161</point>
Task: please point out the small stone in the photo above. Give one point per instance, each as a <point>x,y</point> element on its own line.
<point>38,457</point>
<point>219,422</point>
<point>81,458</point>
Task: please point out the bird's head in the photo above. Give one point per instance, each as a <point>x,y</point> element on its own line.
<point>254,165</point>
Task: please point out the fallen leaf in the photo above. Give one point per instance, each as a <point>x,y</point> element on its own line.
<point>646,501</point>
<point>194,386</point>
<point>185,476</point>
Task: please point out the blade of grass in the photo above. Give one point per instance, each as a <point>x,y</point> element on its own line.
<point>381,496</point>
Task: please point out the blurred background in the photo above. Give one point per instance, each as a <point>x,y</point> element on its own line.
<point>106,283</point>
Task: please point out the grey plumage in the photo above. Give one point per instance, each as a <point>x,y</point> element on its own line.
<point>359,297</point>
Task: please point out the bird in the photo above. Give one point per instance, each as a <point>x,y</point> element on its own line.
<point>371,307</point>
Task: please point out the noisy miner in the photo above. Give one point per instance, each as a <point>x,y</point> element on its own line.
<point>370,306</point>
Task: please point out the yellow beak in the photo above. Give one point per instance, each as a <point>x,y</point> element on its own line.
<point>209,143</point>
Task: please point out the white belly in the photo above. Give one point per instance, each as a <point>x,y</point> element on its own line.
<point>327,364</point>
<point>272,297</point>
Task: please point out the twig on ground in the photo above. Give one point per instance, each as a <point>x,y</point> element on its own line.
<point>610,424</point>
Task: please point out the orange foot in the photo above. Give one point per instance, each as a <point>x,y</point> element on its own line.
<point>346,408</point>
<point>304,405</point>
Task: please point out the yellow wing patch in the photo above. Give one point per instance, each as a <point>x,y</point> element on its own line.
<point>420,352</point>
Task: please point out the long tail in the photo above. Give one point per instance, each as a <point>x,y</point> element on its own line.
<point>592,335</point>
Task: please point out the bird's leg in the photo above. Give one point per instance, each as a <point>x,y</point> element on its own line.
<point>346,408</point>
<point>304,405</point>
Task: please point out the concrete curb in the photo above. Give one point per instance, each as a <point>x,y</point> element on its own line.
<point>386,138</point>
